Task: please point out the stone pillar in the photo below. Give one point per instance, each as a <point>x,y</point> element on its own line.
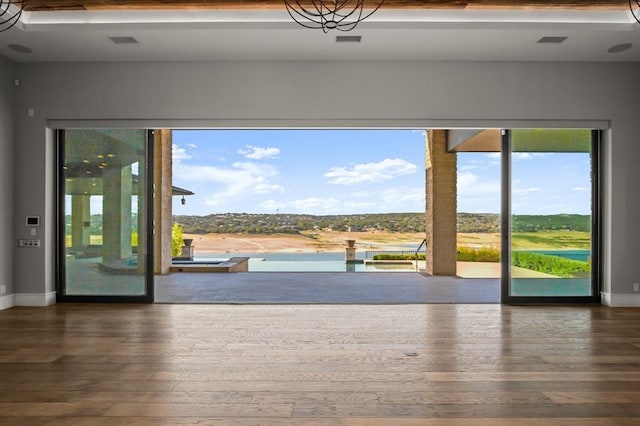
<point>80,221</point>
<point>162,202</point>
<point>350,254</point>
<point>116,215</point>
<point>441,207</point>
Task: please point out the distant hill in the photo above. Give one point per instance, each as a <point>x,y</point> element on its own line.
<point>391,222</point>
<point>558,222</point>
<point>295,223</point>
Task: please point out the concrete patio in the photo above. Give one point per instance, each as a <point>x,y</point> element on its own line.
<point>323,288</point>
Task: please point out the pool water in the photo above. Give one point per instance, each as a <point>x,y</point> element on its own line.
<point>304,262</point>
<point>258,265</point>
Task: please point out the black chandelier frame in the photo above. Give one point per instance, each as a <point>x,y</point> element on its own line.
<point>341,15</point>
<point>634,7</point>
<point>9,17</point>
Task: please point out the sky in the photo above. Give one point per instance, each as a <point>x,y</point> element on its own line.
<point>324,172</point>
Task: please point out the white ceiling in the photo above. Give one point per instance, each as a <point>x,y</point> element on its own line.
<point>271,35</point>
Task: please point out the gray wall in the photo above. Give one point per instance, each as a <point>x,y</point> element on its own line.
<point>256,94</point>
<point>6,174</point>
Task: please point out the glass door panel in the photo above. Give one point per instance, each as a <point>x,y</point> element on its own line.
<point>104,182</point>
<point>551,213</point>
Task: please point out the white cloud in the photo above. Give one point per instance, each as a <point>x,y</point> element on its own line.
<point>360,194</point>
<point>389,200</point>
<point>529,155</point>
<point>470,185</point>
<point>519,155</point>
<point>238,181</point>
<point>259,153</point>
<point>178,153</point>
<point>520,191</point>
<point>580,188</point>
<point>360,207</point>
<point>370,172</point>
<point>192,145</point>
<point>468,167</point>
<point>316,205</point>
<point>402,198</point>
<point>267,188</point>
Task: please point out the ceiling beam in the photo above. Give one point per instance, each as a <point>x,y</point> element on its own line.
<point>52,5</point>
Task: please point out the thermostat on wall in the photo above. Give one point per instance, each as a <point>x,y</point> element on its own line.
<point>33,220</point>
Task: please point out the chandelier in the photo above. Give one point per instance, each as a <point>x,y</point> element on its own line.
<point>10,12</point>
<point>342,15</point>
<point>634,6</point>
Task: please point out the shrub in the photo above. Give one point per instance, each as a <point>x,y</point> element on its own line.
<point>176,239</point>
<point>468,254</point>
<point>554,265</point>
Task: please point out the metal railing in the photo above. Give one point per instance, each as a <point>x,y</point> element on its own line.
<point>423,243</point>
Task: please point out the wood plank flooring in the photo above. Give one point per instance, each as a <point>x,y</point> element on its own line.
<point>319,365</point>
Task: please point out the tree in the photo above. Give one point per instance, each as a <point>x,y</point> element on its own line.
<point>176,239</point>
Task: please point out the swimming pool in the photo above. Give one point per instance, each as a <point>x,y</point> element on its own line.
<point>305,262</point>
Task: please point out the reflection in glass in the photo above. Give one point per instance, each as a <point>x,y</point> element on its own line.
<point>551,195</point>
<point>104,212</point>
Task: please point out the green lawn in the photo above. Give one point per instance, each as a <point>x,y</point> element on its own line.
<point>551,240</point>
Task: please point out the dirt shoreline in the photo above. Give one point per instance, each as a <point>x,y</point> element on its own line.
<point>324,242</point>
<point>312,242</point>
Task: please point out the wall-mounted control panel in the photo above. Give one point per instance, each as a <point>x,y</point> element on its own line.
<point>28,243</point>
<point>33,221</point>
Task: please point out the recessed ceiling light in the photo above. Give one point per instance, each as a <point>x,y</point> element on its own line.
<point>123,40</point>
<point>552,39</point>
<point>620,48</point>
<point>20,48</point>
<point>348,39</point>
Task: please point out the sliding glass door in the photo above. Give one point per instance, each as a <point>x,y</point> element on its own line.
<point>104,196</point>
<point>550,199</point>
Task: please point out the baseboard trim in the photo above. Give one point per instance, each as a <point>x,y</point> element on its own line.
<point>35,299</point>
<point>621,300</point>
<point>6,301</point>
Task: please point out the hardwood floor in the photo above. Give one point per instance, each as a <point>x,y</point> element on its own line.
<point>319,365</point>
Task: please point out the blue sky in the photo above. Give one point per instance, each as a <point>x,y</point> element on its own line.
<point>542,183</point>
<point>356,171</point>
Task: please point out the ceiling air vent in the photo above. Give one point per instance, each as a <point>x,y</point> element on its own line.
<point>348,39</point>
<point>552,40</point>
<point>124,40</point>
<point>20,48</point>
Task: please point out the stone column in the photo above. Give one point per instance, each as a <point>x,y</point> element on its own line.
<point>441,207</point>
<point>162,202</point>
<point>80,221</point>
<point>116,215</point>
